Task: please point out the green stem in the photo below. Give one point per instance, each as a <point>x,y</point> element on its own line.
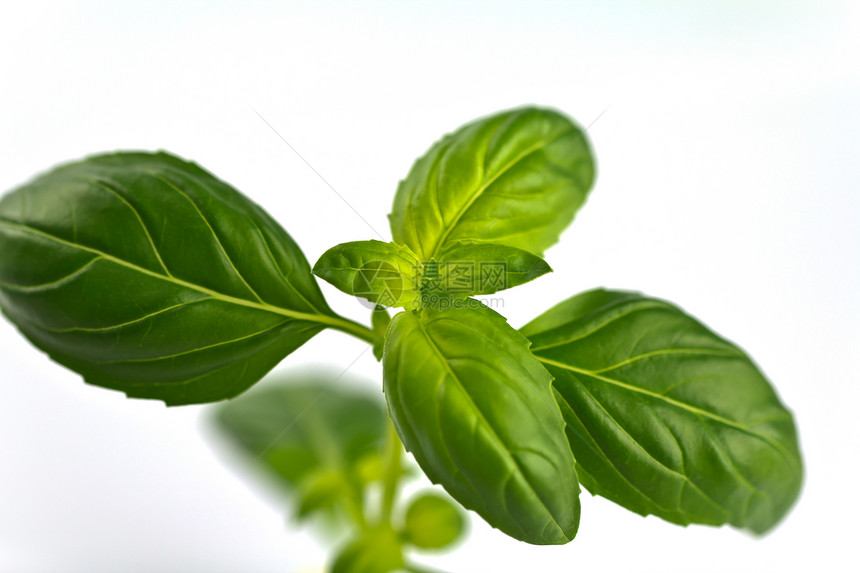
<point>413,568</point>
<point>348,326</point>
<point>393,470</point>
<point>354,509</point>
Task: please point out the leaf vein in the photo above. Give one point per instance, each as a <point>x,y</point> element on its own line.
<point>121,325</point>
<point>195,350</point>
<point>512,462</point>
<point>480,190</point>
<point>263,306</point>
<point>211,230</point>
<point>646,355</point>
<point>53,284</point>
<point>638,308</point>
<point>105,186</point>
<point>283,274</point>
<point>649,454</point>
<point>681,405</point>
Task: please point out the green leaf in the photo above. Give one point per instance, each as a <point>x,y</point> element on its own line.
<point>377,550</point>
<point>382,273</point>
<point>433,522</point>
<point>664,416</point>
<point>469,267</point>
<point>476,410</point>
<point>321,490</point>
<point>370,468</point>
<point>306,425</point>
<point>379,320</point>
<point>516,178</point>
<point>146,274</point>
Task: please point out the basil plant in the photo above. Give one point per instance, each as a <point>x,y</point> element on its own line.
<point>145,273</point>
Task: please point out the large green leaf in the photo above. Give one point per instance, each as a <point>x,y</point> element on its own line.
<point>664,416</point>
<point>315,432</point>
<point>516,178</point>
<point>146,274</point>
<point>476,409</point>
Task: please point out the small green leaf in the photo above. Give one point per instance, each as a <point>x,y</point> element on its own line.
<point>433,522</point>
<point>665,417</point>
<point>379,320</point>
<point>146,274</point>
<point>377,550</point>
<point>469,267</point>
<point>306,425</point>
<point>370,468</point>
<point>516,178</point>
<point>476,409</point>
<point>382,273</point>
<point>322,490</point>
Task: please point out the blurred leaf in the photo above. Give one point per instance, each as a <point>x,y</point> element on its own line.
<point>433,522</point>
<point>321,491</point>
<point>317,435</point>
<point>369,468</point>
<point>378,550</point>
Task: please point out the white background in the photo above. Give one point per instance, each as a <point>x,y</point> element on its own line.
<point>728,183</point>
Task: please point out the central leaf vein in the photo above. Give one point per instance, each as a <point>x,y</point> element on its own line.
<point>512,462</point>
<point>675,403</point>
<point>484,186</point>
<point>318,318</point>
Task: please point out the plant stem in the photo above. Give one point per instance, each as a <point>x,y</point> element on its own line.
<point>393,470</point>
<point>352,327</point>
<point>354,509</point>
<point>413,568</point>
